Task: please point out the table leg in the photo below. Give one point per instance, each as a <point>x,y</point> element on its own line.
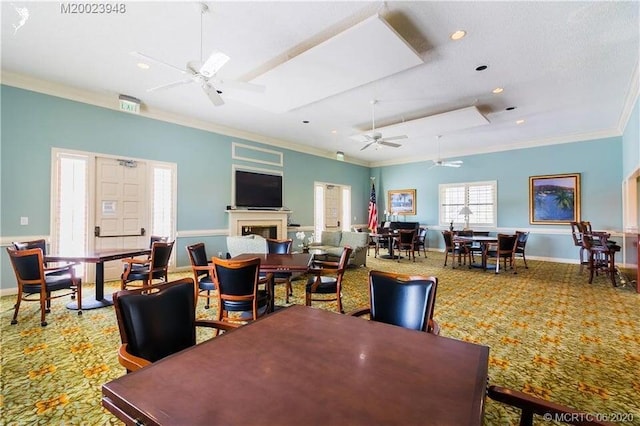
<point>100,301</point>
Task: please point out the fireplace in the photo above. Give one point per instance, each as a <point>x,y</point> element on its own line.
<point>264,231</point>
<point>260,222</point>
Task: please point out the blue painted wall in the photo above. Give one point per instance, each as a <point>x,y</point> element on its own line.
<point>33,123</point>
<point>597,161</point>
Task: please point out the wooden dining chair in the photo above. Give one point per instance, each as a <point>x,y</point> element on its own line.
<point>503,250</point>
<point>202,268</point>
<point>454,249</point>
<point>239,295</point>
<point>35,285</point>
<point>404,300</point>
<point>406,240</point>
<point>281,247</point>
<point>325,280</point>
<point>157,267</point>
<point>157,322</point>
<point>530,405</point>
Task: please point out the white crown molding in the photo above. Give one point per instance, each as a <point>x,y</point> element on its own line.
<point>109,101</point>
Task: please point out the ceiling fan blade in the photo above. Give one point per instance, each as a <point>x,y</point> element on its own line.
<point>447,164</point>
<point>238,85</point>
<point>213,94</point>
<point>384,142</point>
<point>367,145</point>
<point>169,85</point>
<point>395,138</point>
<point>455,162</point>
<point>158,61</point>
<point>213,64</point>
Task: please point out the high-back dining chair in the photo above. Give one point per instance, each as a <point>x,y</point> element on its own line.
<point>281,247</point>
<point>325,280</point>
<point>60,269</point>
<point>156,268</point>
<point>504,249</point>
<point>454,249</point>
<point>521,244</point>
<point>202,268</point>
<point>404,300</point>
<point>421,241</point>
<point>157,322</point>
<point>407,241</point>
<point>237,282</point>
<point>35,285</point>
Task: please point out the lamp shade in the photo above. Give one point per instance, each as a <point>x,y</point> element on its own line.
<point>465,211</point>
<point>340,156</point>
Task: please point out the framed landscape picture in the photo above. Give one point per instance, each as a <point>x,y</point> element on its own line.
<point>402,201</point>
<point>554,199</point>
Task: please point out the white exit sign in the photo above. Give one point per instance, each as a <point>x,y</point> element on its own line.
<point>129,104</point>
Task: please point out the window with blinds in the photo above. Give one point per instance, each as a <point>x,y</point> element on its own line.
<point>479,197</point>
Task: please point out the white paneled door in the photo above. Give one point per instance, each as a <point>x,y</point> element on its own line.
<point>121,208</point>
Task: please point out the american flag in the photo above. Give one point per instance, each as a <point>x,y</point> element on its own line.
<point>373,211</point>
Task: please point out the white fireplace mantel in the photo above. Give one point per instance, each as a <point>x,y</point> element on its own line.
<point>240,218</point>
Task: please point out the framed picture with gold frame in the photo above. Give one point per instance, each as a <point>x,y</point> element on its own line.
<point>554,199</point>
<point>402,201</point>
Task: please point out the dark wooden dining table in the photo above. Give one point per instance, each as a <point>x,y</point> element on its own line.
<point>98,257</point>
<point>303,365</point>
<point>276,262</point>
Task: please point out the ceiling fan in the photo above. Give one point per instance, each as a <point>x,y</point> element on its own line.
<point>376,137</point>
<point>439,162</point>
<point>203,73</point>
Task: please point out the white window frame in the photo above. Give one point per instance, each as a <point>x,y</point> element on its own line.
<point>448,210</point>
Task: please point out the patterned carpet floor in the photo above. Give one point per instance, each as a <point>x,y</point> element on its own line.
<point>550,334</point>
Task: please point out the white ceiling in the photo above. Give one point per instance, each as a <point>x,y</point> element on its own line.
<point>569,68</point>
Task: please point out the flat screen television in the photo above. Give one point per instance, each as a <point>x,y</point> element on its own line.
<point>258,190</point>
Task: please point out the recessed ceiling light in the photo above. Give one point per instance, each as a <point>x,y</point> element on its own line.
<point>143,66</point>
<point>481,67</point>
<point>509,108</point>
<point>458,35</point>
<point>519,121</point>
<point>497,90</point>
<point>334,131</point>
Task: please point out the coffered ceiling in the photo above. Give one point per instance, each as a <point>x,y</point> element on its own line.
<point>568,70</point>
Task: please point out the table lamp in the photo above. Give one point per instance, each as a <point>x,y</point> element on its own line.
<point>466,211</point>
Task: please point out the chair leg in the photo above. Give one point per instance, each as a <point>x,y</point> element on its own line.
<point>43,309</point>
<point>525,261</point>
<point>339,302</point>
<point>307,298</point>
<point>17,307</point>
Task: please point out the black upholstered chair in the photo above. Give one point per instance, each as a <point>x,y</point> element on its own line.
<point>35,285</point>
<point>325,280</point>
<point>237,282</point>
<point>406,241</point>
<point>42,245</point>
<point>281,247</point>
<point>421,241</point>
<point>157,322</point>
<point>521,245</point>
<point>453,249</point>
<point>202,268</point>
<point>403,300</point>
<point>504,249</point>
<point>156,267</point>
<point>531,405</point>
<point>576,233</point>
